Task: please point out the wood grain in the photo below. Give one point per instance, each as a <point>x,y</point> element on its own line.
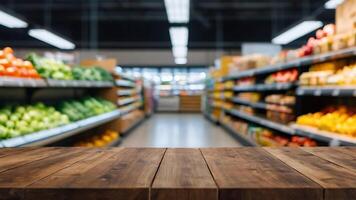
<point>119,174</point>
<point>338,182</point>
<point>339,156</point>
<point>252,173</point>
<point>183,174</point>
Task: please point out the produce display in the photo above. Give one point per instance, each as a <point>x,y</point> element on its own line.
<point>246,81</point>
<point>280,103</point>
<point>334,119</point>
<point>280,99</point>
<point>87,107</point>
<point>51,69</point>
<point>91,74</point>
<point>22,120</point>
<point>284,76</point>
<point>329,74</point>
<point>100,140</point>
<point>15,67</point>
<point>249,96</point>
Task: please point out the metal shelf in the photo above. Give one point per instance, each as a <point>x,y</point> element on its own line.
<point>263,122</point>
<point>50,83</point>
<point>264,87</point>
<point>258,105</point>
<point>344,53</point>
<point>46,137</point>
<point>125,101</point>
<point>128,109</point>
<point>211,118</point>
<point>334,139</point>
<point>127,92</point>
<point>22,82</point>
<point>125,76</point>
<point>125,83</point>
<point>336,91</point>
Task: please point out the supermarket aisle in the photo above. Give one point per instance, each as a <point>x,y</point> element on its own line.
<point>178,130</point>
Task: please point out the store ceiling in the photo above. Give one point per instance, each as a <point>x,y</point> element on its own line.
<point>214,24</point>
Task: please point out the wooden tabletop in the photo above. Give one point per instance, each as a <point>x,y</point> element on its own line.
<point>161,174</point>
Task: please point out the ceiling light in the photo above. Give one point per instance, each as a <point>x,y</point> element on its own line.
<point>180,52</point>
<point>297,32</point>
<point>177,10</point>
<point>179,36</point>
<point>50,38</point>
<point>332,4</point>
<point>180,61</point>
<point>11,21</point>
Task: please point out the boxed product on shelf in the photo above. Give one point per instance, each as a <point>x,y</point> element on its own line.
<point>345,16</point>
<point>340,120</point>
<point>281,117</point>
<point>280,99</point>
<point>334,75</point>
<point>249,96</point>
<point>284,76</point>
<point>10,66</point>
<point>246,81</point>
<point>242,63</point>
<point>99,140</point>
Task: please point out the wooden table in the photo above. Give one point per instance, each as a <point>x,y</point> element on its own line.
<point>161,174</point>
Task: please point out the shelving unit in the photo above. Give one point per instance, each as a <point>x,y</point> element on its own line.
<point>293,88</point>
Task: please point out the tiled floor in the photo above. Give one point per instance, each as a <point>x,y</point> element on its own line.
<point>178,130</point>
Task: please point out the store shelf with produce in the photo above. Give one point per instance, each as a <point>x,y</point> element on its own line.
<point>333,139</point>
<point>336,91</point>
<point>125,76</point>
<point>22,82</point>
<point>125,83</point>
<point>265,87</point>
<point>46,137</point>
<point>263,122</point>
<point>334,55</point>
<point>240,137</point>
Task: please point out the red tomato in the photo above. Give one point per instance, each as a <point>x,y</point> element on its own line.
<point>8,50</point>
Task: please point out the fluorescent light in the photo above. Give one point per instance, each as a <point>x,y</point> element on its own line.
<point>180,52</point>
<point>50,38</point>
<point>297,32</point>
<point>177,10</point>
<point>11,21</point>
<point>180,61</point>
<point>179,36</point>
<point>332,4</point>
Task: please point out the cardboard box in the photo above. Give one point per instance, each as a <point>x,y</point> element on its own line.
<point>108,64</point>
<point>346,17</point>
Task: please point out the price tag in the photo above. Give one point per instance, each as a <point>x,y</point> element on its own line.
<point>317,92</point>
<point>335,92</point>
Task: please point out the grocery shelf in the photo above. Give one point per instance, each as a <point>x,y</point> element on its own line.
<point>241,138</point>
<point>125,83</point>
<point>127,92</point>
<point>133,125</point>
<point>46,137</point>
<point>211,118</point>
<point>261,121</point>
<point>334,139</point>
<point>258,105</point>
<point>308,60</point>
<point>128,109</point>
<point>126,76</point>
<point>22,82</point>
<point>42,83</point>
<point>264,87</point>
<point>326,91</point>
<point>114,143</point>
<point>79,83</point>
<point>124,101</point>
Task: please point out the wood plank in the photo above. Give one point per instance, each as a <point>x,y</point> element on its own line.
<point>252,173</point>
<point>183,174</point>
<point>26,156</point>
<point>339,156</point>
<point>9,151</point>
<point>119,174</point>
<point>338,182</point>
<point>13,181</point>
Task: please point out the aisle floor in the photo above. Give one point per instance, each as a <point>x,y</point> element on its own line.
<point>178,130</point>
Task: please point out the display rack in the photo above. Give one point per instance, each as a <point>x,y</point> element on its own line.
<point>308,60</point>
<point>50,136</point>
<point>293,88</point>
<point>50,83</point>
